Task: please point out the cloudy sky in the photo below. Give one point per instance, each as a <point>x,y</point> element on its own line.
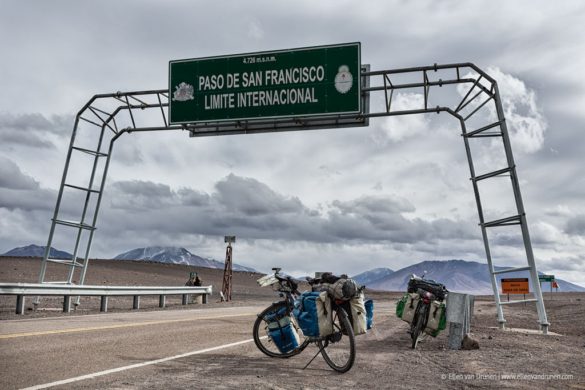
<point>345,200</point>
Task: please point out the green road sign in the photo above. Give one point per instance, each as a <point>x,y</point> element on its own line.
<point>546,278</point>
<point>313,81</point>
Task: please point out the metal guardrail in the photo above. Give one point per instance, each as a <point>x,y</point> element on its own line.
<point>21,290</point>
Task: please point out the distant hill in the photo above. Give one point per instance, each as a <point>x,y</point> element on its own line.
<point>372,276</point>
<point>175,255</point>
<point>457,275</point>
<point>37,251</point>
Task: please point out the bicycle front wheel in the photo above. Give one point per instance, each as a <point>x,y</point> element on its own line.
<point>419,323</point>
<point>264,340</point>
<point>338,349</point>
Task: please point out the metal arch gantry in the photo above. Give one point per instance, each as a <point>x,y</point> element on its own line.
<point>111,115</point>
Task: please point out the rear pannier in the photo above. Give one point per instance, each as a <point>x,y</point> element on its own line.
<point>313,314</point>
<point>369,313</point>
<point>437,318</point>
<point>356,311</point>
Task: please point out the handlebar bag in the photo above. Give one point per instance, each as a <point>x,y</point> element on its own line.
<point>313,314</point>
<point>281,330</point>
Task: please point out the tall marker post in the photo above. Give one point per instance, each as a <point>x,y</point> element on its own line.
<point>226,288</point>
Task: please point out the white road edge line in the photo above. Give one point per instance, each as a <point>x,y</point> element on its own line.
<point>114,370</point>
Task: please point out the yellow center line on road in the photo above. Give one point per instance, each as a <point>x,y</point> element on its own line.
<point>118,326</point>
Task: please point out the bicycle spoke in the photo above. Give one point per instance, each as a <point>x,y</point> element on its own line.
<point>338,349</point>
<point>263,339</point>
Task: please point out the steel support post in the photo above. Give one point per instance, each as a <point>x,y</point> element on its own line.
<point>67,304</point>
<point>521,212</point>
<point>20,304</point>
<point>493,281</point>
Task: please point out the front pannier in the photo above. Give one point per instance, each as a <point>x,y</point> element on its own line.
<point>406,307</point>
<point>281,330</point>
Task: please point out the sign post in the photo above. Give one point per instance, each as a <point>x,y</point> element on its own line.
<point>547,278</point>
<point>323,80</point>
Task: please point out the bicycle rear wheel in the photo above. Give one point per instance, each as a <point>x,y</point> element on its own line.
<point>338,349</point>
<point>419,323</point>
<point>264,341</point>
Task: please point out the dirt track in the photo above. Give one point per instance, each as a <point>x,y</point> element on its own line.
<point>384,357</point>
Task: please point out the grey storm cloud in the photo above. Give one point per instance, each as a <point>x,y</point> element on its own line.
<point>374,205</point>
<point>21,191</point>
<point>251,209</point>
<point>576,225</point>
<point>140,195</point>
<point>251,197</point>
<point>40,199</point>
<point>11,177</point>
<point>33,129</point>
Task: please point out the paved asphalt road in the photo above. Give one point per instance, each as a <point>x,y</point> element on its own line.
<point>44,350</point>
<point>175,349</point>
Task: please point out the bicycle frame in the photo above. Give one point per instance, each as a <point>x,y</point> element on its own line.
<point>328,345</point>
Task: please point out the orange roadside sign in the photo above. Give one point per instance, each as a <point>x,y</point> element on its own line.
<point>515,286</point>
<point>554,284</point>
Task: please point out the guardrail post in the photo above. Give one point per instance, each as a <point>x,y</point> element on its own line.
<point>185,299</point>
<point>162,301</point>
<point>459,314</point>
<point>136,302</point>
<point>67,304</point>
<point>204,298</point>
<point>104,304</point>
<point>20,304</point>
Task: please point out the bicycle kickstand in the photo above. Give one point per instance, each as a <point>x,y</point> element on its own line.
<point>311,361</point>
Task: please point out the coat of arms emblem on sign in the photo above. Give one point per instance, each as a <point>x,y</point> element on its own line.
<point>183,92</point>
<point>343,79</point>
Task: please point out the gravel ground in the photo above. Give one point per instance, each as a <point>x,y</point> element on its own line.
<point>385,359</point>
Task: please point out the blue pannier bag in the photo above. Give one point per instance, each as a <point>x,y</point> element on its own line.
<point>282,331</point>
<point>369,313</point>
<point>313,314</point>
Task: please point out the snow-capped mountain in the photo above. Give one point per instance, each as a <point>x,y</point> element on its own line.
<point>37,251</point>
<point>458,276</point>
<point>372,276</point>
<point>175,255</point>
